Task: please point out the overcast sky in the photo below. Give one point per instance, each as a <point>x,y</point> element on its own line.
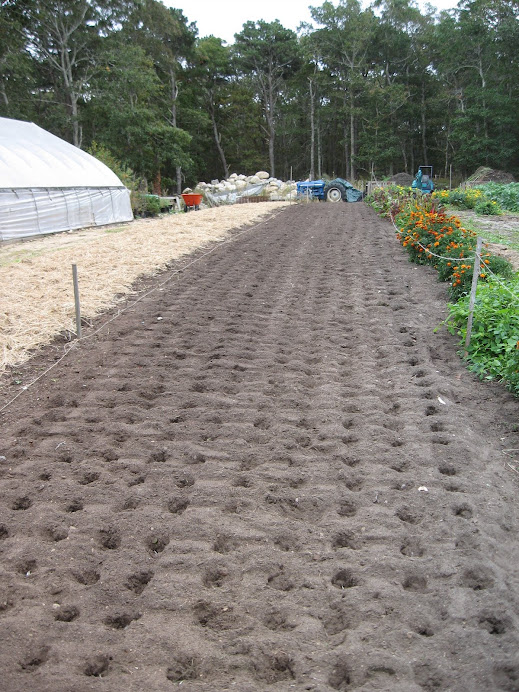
<point>224,18</point>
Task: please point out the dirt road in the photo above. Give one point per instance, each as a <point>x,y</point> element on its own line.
<point>269,474</point>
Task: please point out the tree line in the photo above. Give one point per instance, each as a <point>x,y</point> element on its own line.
<point>360,93</point>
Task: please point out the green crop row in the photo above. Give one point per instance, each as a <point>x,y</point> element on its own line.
<point>431,236</point>
<point>494,345</point>
<point>490,198</point>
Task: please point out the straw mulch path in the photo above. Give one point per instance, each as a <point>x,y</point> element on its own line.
<point>37,300</point>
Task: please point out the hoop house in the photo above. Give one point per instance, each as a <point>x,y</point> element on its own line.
<point>48,185</point>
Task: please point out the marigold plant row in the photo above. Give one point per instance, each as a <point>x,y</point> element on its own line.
<point>433,237</point>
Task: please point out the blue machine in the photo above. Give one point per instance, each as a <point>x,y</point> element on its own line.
<point>337,190</point>
<point>423,179</point>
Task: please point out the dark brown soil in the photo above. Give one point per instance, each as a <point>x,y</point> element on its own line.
<point>487,175</point>
<point>404,179</point>
<point>271,474</point>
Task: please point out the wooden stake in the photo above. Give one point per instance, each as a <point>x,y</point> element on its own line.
<point>475,276</point>
<point>76,301</point>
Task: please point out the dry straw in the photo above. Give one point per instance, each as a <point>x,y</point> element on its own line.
<point>37,299</point>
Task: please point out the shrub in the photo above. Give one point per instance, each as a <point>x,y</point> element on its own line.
<point>494,345</point>
<point>151,205</point>
<point>487,207</point>
<point>390,200</point>
<point>425,234</point>
<point>121,170</point>
<point>125,175</point>
<point>505,196</point>
<point>465,198</point>
<point>460,274</point>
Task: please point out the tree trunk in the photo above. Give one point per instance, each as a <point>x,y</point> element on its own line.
<point>352,144</point>
<point>218,138</point>
<point>312,130</point>
<point>424,127</point>
<point>271,153</point>
<point>346,141</point>
<point>3,94</point>
<point>319,152</point>
<point>484,103</point>
<point>157,184</point>
<point>77,133</point>
<point>174,96</point>
<point>346,152</point>
<point>269,108</point>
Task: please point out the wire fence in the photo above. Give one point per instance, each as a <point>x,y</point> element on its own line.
<point>79,341</point>
<point>477,257</point>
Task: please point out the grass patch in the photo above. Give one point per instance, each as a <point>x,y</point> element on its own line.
<point>114,230</point>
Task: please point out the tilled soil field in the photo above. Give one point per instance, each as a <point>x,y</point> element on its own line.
<point>270,473</point>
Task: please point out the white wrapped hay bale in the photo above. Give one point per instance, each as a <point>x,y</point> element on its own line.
<point>241,186</point>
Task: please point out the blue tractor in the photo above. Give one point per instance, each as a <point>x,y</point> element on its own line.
<point>423,179</point>
<point>337,190</point>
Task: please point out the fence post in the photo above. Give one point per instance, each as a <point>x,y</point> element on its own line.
<point>475,276</point>
<point>76,301</point>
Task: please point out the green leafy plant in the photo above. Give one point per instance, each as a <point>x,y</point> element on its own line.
<point>494,346</point>
<point>152,205</point>
<point>431,236</point>
<point>125,175</point>
<point>461,198</point>
<point>487,207</point>
<point>506,196</point>
<point>123,172</point>
<point>460,273</point>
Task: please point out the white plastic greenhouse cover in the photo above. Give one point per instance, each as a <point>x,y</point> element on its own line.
<point>48,185</point>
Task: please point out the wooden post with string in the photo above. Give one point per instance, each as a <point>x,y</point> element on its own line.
<point>475,276</point>
<point>76,301</point>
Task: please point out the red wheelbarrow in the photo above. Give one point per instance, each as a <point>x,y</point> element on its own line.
<point>192,201</point>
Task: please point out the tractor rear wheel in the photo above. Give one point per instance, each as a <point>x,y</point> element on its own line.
<point>335,192</point>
